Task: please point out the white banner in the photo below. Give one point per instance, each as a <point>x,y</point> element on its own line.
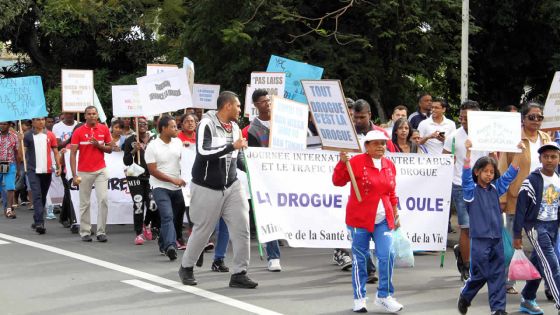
<point>154,68</point>
<point>77,90</point>
<point>164,92</point>
<point>118,196</point>
<point>205,96</point>
<point>552,105</point>
<point>294,198</point>
<point>288,124</point>
<point>330,114</point>
<point>126,101</point>
<point>273,82</point>
<point>494,131</point>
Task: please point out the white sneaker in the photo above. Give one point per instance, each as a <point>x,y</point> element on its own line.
<point>389,303</point>
<point>274,265</point>
<point>360,305</point>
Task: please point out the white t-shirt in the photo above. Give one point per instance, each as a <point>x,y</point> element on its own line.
<point>167,157</point>
<point>460,137</point>
<point>40,143</point>
<point>428,126</point>
<point>63,131</point>
<point>380,216</point>
<point>551,192</point>
<point>534,150</point>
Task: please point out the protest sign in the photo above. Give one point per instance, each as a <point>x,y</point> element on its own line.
<point>126,101</point>
<point>205,96</point>
<point>99,107</point>
<point>294,198</point>
<point>551,110</point>
<point>288,124</point>
<point>330,115</point>
<point>153,68</point>
<point>273,82</point>
<point>494,131</point>
<point>118,195</point>
<point>77,90</point>
<point>295,72</point>
<point>248,106</point>
<point>22,98</point>
<point>188,65</point>
<point>164,92</point>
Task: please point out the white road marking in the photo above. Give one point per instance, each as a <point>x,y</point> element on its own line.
<point>146,286</point>
<point>4,242</point>
<point>144,275</point>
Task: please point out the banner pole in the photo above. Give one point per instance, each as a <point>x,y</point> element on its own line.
<point>353,179</point>
<point>78,117</point>
<point>442,259</point>
<point>22,148</point>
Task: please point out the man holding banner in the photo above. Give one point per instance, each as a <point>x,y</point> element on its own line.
<point>91,139</point>
<point>9,162</point>
<point>216,192</point>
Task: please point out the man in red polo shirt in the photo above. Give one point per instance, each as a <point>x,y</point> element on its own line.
<point>91,139</point>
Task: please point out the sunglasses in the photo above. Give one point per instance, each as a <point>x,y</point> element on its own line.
<point>535,117</point>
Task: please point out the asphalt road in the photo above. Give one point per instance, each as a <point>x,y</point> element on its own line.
<point>56,273</point>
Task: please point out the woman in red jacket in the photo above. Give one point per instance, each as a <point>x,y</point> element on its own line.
<point>372,218</point>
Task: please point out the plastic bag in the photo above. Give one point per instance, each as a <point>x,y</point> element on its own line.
<point>402,247</point>
<point>134,170</point>
<point>508,247</point>
<point>521,268</point>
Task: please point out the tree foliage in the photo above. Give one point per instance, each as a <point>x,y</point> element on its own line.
<point>382,51</point>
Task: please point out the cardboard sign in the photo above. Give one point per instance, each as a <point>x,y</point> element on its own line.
<point>126,101</point>
<point>273,82</point>
<point>288,124</point>
<point>164,92</point>
<point>77,90</point>
<point>205,96</point>
<point>153,68</point>
<point>330,115</point>
<point>494,131</point>
<point>189,66</point>
<point>552,105</point>
<point>249,106</point>
<point>22,98</point>
<point>295,72</point>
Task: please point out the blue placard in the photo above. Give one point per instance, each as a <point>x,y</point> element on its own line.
<point>22,98</point>
<point>295,72</point>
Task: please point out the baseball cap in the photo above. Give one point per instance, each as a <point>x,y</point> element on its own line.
<point>549,146</point>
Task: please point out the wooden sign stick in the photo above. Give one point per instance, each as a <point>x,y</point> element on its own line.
<point>353,180</point>
<point>22,148</point>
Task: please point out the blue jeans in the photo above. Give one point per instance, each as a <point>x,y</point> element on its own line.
<point>383,238</point>
<point>272,250</point>
<point>167,201</point>
<point>459,202</point>
<point>4,196</point>
<point>543,238</point>
<point>222,240</point>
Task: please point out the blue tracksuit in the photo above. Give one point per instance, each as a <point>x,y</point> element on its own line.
<point>487,249</point>
<point>541,234</point>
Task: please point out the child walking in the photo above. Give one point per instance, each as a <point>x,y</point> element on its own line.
<point>537,212</point>
<point>481,189</point>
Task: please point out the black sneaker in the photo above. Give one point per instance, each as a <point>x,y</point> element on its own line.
<point>102,238</point>
<point>33,226</point>
<point>241,280</point>
<point>75,228</point>
<point>463,305</point>
<point>499,312</point>
<point>171,253</point>
<point>548,295</point>
<point>86,238</point>
<point>66,224</point>
<point>465,274</point>
<point>187,275</point>
<point>458,258</point>
<point>40,228</point>
<point>200,260</point>
<point>219,266</point>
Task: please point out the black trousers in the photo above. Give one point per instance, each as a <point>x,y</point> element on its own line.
<point>67,213</point>
<point>143,202</point>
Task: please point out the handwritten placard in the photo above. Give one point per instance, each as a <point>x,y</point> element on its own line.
<point>77,90</point>
<point>272,82</point>
<point>288,124</point>
<point>126,101</point>
<point>552,105</point>
<point>494,131</point>
<point>330,115</point>
<point>295,72</point>
<point>22,98</point>
<point>205,96</point>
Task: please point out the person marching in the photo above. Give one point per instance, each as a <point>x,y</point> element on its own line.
<point>372,218</point>
<point>482,188</point>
